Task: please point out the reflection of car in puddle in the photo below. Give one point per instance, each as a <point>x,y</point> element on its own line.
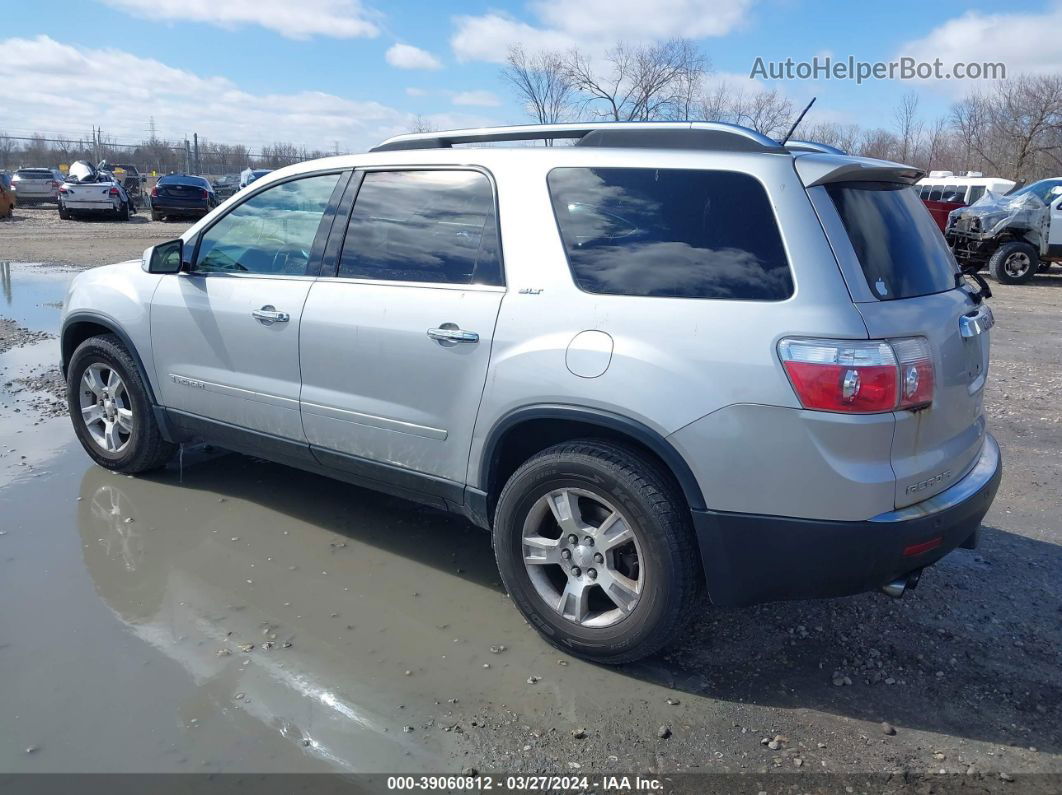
<point>167,561</point>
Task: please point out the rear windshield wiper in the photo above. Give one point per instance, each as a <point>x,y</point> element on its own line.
<point>983,291</point>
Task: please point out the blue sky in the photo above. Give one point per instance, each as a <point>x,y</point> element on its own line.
<point>323,73</point>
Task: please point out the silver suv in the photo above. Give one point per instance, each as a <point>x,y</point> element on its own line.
<point>669,360</point>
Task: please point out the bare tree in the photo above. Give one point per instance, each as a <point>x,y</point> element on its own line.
<point>908,125</point>
<point>422,125</point>
<point>767,112</point>
<point>542,82</point>
<point>639,82</point>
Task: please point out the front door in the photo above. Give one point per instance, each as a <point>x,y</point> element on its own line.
<point>395,345</point>
<point>225,334</point>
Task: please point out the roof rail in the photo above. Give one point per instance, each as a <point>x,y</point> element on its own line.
<point>813,146</point>
<point>640,134</point>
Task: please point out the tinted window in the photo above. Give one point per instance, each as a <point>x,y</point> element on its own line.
<point>670,232</point>
<point>270,233</point>
<point>935,191</point>
<point>953,193</point>
<point>33,173</point>
<point>976,192</point>
<point>900,247</point>
<point>423,226</point>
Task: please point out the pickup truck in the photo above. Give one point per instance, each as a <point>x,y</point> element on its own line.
<point>89,190</point>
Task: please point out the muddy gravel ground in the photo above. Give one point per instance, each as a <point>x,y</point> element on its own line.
<point>37,234</point>
<point>228,614</point>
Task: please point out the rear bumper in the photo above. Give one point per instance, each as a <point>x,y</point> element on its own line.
<point>179,208</point>
<point>750,559</point>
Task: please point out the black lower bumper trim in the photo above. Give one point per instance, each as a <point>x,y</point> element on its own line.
<point>749,559</point>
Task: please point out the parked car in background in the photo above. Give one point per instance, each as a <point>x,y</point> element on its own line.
<point>128,175</point>
<point>226,185</point>
<point>88,190</point>
<point>7,196</point>
<point>182,196</point>
<point>36,185</point>
<point>597,352</point>
<point>249,175</point>
<point>1014,236</point>
<point>943,191</point>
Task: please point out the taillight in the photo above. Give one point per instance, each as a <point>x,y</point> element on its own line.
<point>154,193</point>
<point>55,184</point>
<point>205,194</point>
<point>63,189</point>
<point>113,191</point>
<point>859,376</point>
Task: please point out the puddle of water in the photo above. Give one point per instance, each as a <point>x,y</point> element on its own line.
<point>140,595</point>
<point>32,294</point>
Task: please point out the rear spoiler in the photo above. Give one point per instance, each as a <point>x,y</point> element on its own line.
<point>822,169</point>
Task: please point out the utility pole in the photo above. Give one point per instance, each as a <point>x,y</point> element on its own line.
<point>187,157</point>
<point>195,137</point>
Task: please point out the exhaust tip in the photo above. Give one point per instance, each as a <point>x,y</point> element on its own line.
<point>896,588</point>
<point>900,585</point>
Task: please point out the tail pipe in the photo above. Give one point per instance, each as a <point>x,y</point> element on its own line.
<point>898,587</point>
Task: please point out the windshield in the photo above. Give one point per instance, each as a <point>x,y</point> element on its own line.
<point>1041,189</point>
<point>901,250</point>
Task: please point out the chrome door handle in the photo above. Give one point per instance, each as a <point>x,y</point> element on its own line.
<point>450,333</point>
<point>268,315</point>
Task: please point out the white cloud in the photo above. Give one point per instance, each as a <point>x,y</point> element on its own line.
<point>1025,42</point>
<point>593,24</point>
<point>486,99</point>
<point>341,19</point>
<point>55,87</point>
<point>406,56</point>
<point>413,91</point>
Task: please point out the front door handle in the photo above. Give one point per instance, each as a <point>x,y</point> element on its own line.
<point>450,333</point>
<point>268,315</point>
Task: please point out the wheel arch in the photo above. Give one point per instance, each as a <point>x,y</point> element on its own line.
<point>525,431</point>
<point>80,326</point>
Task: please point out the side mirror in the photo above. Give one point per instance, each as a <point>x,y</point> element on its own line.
<point>165,257</point>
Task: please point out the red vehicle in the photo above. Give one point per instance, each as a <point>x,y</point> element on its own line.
<point>943,191</point>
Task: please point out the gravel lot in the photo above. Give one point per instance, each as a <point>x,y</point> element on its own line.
<point>403,653</point>
<point>37,234</point>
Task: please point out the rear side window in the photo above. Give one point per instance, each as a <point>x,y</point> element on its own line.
<point>899,246</point>
<point>423,226</point>
<point>670,232</point>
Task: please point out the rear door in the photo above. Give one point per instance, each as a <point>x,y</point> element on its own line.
<point>395,343</point>
<point>904,280</point>
<point>225,334</point>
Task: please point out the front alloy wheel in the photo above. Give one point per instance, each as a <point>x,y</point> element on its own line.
<point>106,408</point>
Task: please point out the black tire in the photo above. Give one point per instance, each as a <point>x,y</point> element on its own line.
<point>155,216</point>
<point>1014,262</point>
<point>1045,267</point>
<point>64,214</point>
<point>654,509</point>
<point>144,449</point>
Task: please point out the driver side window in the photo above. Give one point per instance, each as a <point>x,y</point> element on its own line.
<point>271,233</point>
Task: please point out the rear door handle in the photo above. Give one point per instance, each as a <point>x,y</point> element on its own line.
<point>268,315</point>
<point>450,333</point>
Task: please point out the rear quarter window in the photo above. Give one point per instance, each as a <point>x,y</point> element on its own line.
<point>899,246</point>
<point>671,233</point>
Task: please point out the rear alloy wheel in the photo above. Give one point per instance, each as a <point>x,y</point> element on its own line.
<point>110,409</point>
<point>1014,262</point>
<point>594,545</point>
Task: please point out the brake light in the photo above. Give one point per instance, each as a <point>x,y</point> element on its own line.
<point>859,376</point>
<point>205,194</point>
<point>154,193</point>
<point>63,189</point>
<point>55,184</point>
<point>113,191</point>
